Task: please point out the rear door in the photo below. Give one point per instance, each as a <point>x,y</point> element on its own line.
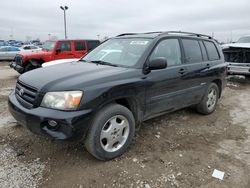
<point>165,88</point>
<point>196,64</point>
<point>65,48</point>
<point>79,48</point>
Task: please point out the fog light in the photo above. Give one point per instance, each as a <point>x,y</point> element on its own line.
<point>52,123</point>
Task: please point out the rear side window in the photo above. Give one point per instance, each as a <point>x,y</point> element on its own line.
<point>80,46</point>
<point>211,51</point>
<point>92,44</point>
<point>64,46</point>
<point>192,51</point>
<point>169,49</point>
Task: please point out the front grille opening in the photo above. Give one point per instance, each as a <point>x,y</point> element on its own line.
<point>25,94</point>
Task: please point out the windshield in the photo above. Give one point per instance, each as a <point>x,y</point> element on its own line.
<point>48,45</point>
<point>120,52</point>
<point>244,40</point>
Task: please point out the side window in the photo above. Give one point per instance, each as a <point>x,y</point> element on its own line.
<point>170,49</point>
<point>211,51</point>
<point>192,51</point>
<point>80,46</point>
<point>203,49</point>
<point>92,44</point>
<point>64,46</point>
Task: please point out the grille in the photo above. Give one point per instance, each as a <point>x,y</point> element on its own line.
<point>18,59</point>
<point>25,94</point>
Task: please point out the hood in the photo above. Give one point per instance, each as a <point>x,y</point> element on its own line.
<point>71,76</point>
<point>35,53</point>
<point>236,45</point>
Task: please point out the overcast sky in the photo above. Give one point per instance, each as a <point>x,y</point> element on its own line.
<point>89,18</point>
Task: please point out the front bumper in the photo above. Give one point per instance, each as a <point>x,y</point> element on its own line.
<point>70,124</point>
<point>17,67</point>
<point>239,68</point>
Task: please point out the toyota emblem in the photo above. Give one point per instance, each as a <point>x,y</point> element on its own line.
<point>21,92</point>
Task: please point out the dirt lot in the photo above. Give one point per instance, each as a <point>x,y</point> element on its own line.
<point>176,150</point>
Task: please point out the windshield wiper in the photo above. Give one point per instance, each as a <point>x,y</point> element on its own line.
<point>104,63</point>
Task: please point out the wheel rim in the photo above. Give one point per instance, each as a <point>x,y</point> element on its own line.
<point>114,133</point>
<point>211,99</point>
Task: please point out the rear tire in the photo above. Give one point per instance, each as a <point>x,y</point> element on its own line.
<point>209,101</point>
<point>111,132</point>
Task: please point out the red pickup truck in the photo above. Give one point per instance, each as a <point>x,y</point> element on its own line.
<point>52,50</point>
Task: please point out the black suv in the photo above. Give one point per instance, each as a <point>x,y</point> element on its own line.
<point>121,83</point>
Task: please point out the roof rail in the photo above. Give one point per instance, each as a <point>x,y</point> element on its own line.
<point>169,32</point>
<point>186,33</point>
<point>123,34</point>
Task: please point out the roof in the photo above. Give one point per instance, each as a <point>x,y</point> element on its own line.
<point>161,33</point>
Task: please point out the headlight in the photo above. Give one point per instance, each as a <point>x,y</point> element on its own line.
<point>67,100</point>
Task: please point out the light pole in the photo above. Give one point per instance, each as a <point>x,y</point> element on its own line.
<point>64,13</point>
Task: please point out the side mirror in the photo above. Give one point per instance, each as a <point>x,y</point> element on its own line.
<point>58,50</point>
<point>157,63</point>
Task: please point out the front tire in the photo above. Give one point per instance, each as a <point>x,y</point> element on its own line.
<point>111,132</point>
<point>29,67</point>
<point>209,101</point>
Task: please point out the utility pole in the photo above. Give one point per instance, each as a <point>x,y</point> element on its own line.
<point>65,26</point>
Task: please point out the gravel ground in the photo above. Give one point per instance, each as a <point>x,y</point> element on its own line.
<point>180,149</point>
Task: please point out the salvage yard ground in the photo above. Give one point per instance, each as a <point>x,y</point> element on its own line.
<point>180,149</point>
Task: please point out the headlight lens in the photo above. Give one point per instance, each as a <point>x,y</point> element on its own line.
<point>67,100</point>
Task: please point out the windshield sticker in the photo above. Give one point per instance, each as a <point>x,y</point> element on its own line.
<point>139,42</point>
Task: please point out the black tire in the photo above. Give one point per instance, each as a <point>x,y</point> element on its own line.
<point>93,142</point>
<point>29,67</point>
<point>203,106</point>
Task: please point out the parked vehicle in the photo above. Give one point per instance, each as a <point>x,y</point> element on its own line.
<point>52,50</point>
<point>8,52</point>
<point>103,100</point>
<point>238,56</point>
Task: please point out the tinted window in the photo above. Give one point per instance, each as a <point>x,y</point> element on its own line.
<point>203,49</point>
<point>64,46</point>
<point>169,49</point>
<point>92,44</point>
<point>80,46</point>
<point>13,49</point>
<point>211,51</point>
<point>192,51</point>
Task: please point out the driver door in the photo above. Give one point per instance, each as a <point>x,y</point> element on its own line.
<point>165,88</point>
<point>64,50</point>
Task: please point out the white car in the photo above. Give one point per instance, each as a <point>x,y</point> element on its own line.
<point>238,56</point>
<point>9,52</point>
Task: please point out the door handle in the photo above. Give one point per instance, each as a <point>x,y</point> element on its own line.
<point>208,66</point>
<point>182,71</point>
